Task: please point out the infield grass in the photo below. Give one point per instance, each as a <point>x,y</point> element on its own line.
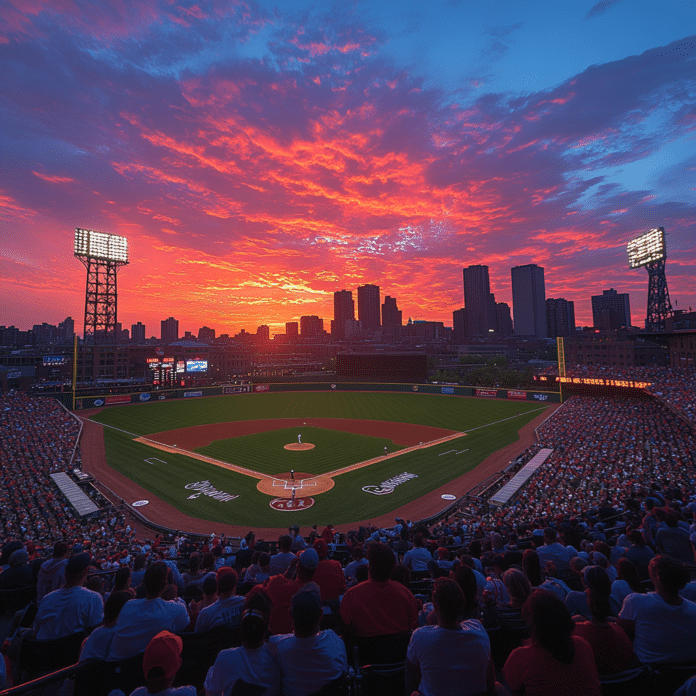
<point>347,501</point>
<point>265,453</point>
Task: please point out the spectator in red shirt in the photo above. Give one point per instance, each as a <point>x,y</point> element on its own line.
<point>281,588</point>
<point>329,574</point>
<point>554,661</point>
<point>379,606</point>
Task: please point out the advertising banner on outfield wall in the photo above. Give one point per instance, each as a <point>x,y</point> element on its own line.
<point>491,393</point>
<point>262,387</point>
<point>117,399</point>
<point>236,389</point>
<point>516,394</point>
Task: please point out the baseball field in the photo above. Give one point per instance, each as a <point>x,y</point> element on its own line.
<point>224,459</point>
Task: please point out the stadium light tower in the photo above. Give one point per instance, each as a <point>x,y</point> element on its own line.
<point>650,250</point>
<point>102,255</point>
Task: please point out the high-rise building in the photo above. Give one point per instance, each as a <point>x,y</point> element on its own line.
<point>611,310</point>
<point>503,319</point>
<point>480,319</point>
<point>263,333</point>
<point>311,326</point>
<point>138,333</point>
<point>344,310</point>
<point>391,314</point>
<point>66,329</point>
<point>291,328</point>
<point>459,325</point>
<point>368,307</point>
<point>206,334</point>
<point>170,330</point>
<point>529,301</point>
<point>560,317</point>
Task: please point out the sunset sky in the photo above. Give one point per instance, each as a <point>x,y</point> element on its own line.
<point>259,156</point>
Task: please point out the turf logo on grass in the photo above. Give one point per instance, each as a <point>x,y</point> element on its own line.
<point>389,485</point>
<point>206,488</point>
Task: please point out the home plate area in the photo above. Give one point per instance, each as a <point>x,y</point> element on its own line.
<point>281,487</point>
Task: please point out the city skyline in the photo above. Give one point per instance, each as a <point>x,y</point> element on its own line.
<point>260,159</point>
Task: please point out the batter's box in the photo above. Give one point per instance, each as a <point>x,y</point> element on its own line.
<point>154,460</point>
<point>288,485</point>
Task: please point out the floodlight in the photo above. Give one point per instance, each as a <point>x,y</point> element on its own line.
<point>647,248</point>
<point>98,245</point>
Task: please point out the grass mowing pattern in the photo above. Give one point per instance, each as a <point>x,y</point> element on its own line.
<point>440,411</point>
<point>346,502</point>
<point>263,452</point>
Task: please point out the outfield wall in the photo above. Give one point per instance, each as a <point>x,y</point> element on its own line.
<point>99,401</point>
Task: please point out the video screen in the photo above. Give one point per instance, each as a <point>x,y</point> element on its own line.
<point>196,366</point>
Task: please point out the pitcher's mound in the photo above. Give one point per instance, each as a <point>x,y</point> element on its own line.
<point>297,447</point>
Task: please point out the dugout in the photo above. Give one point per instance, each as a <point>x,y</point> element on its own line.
<point>383,367</point>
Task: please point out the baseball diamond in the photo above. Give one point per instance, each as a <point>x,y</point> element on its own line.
<point>220,444</point>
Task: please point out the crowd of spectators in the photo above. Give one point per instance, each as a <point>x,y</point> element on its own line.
<point>569,566</point>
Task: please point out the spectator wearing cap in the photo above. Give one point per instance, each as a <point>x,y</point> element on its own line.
<point>452,658</point>
<point>329,574</point>
<point>308,658</point>
<point>251,663</point>
<point>281,560</point>
<point>553,550</point>
<point>142,619</point>
<point>19,572</point>
<point>72,608</point>
<point>298,542</point>
<point>662,624</point>
<point>379,606</point>
<point>161,662</point>
<point>227,610</point>
<point>52,572</point>
<point>281,588</point>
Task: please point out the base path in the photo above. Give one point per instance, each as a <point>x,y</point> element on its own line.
<point>94,462</point>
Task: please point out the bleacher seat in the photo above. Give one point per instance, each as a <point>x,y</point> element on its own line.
<point>38,657</point>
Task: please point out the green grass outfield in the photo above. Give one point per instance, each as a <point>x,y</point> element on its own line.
<point>490,425</point>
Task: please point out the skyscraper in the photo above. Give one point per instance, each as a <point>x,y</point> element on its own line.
<point>611,310</point>
<point>529,301</point>
<point>344,310</point>
<point>291,328</point>
<point>368,307</point>
<point>560,317</point>
<point>480,318</point>
<point>138,333</point>
<point>311,326</point>
<point>169,330</point>
<point>391,314</point>
<point>263,333</point>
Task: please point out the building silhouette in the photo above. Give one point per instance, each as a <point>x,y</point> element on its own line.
<point>611,310</point>
<point>368,307</point>
<point>169,330</point>
<point>263,333</point>
<point>138,333</point>
<point>479,302</point>
<point>344,311</point>
<point>529,301</point>
<point>391,314</point>
<point>292,328</point>
<point>560,317</point>
<point>503,319</point>
<point>206,334</point>
<point>311,326</point>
